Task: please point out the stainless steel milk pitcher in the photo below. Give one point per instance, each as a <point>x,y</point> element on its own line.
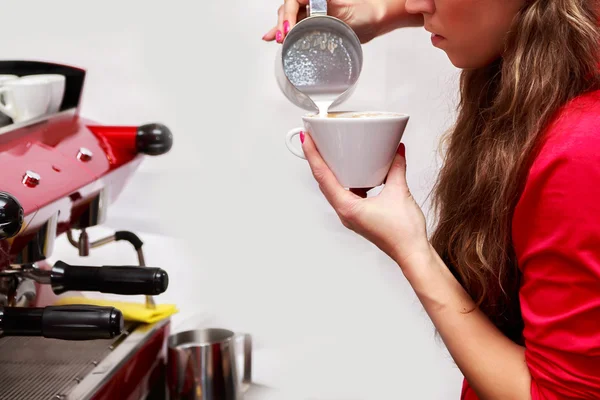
<point>202,365</point>
<point>320,60</point>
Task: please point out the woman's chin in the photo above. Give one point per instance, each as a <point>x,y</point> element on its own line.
<point>469,61</point>
<point>462,62</point>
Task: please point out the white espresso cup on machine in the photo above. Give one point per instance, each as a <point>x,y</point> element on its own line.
<point>25,98</point>
<point>57,85</point>
<point>358,147</point>
<point>7,77</point>
<point>5,119</point>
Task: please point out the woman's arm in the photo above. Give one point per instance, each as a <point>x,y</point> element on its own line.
<point>392,220</point>
<point>556,235</point>
<point>556,238</point>
<point>494,366</point>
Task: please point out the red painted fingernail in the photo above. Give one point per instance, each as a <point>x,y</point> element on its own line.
<point>286,27</point>
<point>302,137</point>
<point>278,36</point>
<point>402,150</point>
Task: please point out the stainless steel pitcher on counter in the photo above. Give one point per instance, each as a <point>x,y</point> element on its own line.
<point>202,365</point>
<point>320,60</point>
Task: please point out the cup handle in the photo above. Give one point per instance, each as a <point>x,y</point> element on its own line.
<point>288,141</point>
<point>247,372</point>
<point>5,108</point>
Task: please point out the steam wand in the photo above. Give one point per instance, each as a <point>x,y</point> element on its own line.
<point>84,246</point>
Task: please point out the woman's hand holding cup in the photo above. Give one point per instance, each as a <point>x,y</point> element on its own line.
<point>392,220</point>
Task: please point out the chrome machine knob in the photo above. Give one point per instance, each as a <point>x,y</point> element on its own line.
<point>84,155</point>
<point>31,179</point>
<point>11,216</point>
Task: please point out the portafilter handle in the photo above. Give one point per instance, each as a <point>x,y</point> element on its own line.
<point>125,280</point>
<point>70,322</point>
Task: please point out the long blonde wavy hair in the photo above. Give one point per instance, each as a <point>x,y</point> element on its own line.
<point>552,54</point>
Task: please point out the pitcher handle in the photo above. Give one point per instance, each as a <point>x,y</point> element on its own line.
<point>316,7</point>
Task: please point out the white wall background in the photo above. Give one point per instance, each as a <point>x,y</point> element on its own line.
<point>236,219</point>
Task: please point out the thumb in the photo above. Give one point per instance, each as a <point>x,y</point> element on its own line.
<point>397,174</point>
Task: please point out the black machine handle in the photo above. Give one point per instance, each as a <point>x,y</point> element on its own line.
<point>154,139</point>
<point>116,280</point>
<point>70,322</point>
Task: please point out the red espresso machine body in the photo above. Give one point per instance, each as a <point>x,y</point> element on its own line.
<point>59,175</point>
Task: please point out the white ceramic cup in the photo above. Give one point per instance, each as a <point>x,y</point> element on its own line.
<point>7,77</point>
<point>25,99</point>
<point>57,83</point>
<point>5,119</point>
<point>358,147</point>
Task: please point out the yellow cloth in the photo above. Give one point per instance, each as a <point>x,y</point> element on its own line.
<point>131,311</point>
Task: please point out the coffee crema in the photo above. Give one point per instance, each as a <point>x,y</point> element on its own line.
<point>358,114</point>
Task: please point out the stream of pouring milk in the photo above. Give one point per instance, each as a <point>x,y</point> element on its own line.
<point>324,97</point>
<point>323,105</point>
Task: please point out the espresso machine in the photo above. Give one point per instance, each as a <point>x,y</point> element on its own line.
<point>59,173</point>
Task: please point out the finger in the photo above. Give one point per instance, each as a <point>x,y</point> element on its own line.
<point>301,13</point>
<point>360,192</point>
<point>273,33</point>
<point>290,14</point>
<point>397,174</point>
<point>279,32</point>
<point>335,194</point>
<point>270,36</point>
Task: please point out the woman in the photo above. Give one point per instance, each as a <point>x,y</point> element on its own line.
<point>511,275</point>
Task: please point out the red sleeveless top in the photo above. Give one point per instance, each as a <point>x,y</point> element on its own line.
<point>556,235</point>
